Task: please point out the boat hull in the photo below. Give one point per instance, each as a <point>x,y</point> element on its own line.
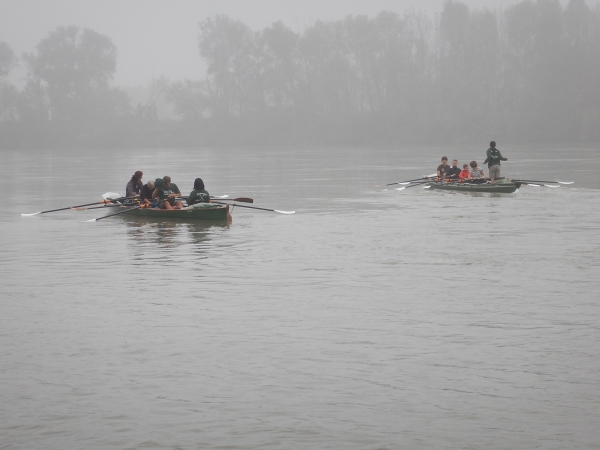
<point>212,212</point>
<point>503,186</point>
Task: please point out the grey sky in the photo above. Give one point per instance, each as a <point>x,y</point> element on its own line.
<point>159,37</point>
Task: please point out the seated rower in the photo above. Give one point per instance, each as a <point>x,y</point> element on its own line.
<point>476,173</point>
<point>134,185</point>
<point>167,191</point>
<point>453,172</point>
<point>146,193</point>
<point>443,168</point>
<point>464,174</point>
<point>199,194</point>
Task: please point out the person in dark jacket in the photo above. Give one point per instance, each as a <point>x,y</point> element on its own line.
<point>146,192</point>
<point>134,186</point>
<point>493,161</point>
<point>454,171</point>
<point>199,194</point>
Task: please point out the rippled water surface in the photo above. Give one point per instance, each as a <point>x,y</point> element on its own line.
<point>370,319</point>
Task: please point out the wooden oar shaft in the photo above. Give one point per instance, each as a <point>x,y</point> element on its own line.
<point>79,206</point>
<point>239,199</point>
<point>97,207</point>
<point>115,214</point>
<point>256,207</point>
<point>126,211</point>
<point>410,181</point>
<point>538,181</point>
<point>418,184</point>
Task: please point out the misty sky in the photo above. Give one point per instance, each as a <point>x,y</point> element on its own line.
<point>159,37</point>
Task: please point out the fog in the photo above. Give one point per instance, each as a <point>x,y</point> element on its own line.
<point>159,37</point>
<point>121,73</point>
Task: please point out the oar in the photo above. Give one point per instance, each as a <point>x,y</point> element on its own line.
<point>112,205</point>
<point>412,185</point>
<point>537,181</point>
<point>240,199</point>
<point>107,199</point>
<point>433,175</point>
<point>419,183</point>
<point>219,196</point>
<point>127,210</point>
<point>538,185</point>
<point>256,207</point>
<point>115,214</point>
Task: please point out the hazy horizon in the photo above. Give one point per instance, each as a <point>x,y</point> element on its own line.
<point>156,38</point>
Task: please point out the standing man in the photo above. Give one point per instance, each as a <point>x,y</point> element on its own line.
<point>443,168</point>
<point>493,161</point>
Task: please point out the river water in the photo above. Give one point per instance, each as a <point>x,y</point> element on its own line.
<point>370,319</point>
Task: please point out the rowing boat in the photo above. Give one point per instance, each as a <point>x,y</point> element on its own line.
<point>500,186</point>
<point>200,211</point>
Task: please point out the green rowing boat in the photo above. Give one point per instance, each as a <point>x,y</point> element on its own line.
<point>500,186</point>
<point>200,211</point>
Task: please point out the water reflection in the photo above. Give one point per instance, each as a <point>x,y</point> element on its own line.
<point>170,234</point>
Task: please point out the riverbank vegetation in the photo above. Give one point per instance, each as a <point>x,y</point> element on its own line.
<point>528,73</point>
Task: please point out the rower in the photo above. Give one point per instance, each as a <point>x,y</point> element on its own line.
<point>146,193</point>
<point>476,173</point>
<point>493,161</point>
<point>443,168</point>
<point>134,185</point>
<point>166,192</point>
<point>453,172</point>
<point>199,194</point>
<point>464,173</point>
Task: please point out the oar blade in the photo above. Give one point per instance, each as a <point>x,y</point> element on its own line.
<point>31,214</point>
<point>284,212</point>
<point>554,186</point>
<point>565,182</point>
<point>112,196</point>
<point>400,188</point>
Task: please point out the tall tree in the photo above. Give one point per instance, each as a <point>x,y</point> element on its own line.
<point>8,93</point>
<point>229,48</point>
<point>281,66</point>
<point>74,69</point>
<point>7,60</point>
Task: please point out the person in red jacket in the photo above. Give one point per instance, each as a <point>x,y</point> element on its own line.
<point>464,174</point>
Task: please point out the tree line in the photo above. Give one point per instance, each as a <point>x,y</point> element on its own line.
<point>527,73</point>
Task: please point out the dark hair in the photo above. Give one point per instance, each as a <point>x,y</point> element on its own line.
<point>198,184</point>
<point>465,166</point>
<point>444,158</point>
<point>137,176</point>
<point>493,144</point>
<point>473,164</point>
<point>167,179</point>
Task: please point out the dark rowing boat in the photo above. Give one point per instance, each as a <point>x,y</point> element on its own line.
<point>200,211</point>
<point>500,186</point>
